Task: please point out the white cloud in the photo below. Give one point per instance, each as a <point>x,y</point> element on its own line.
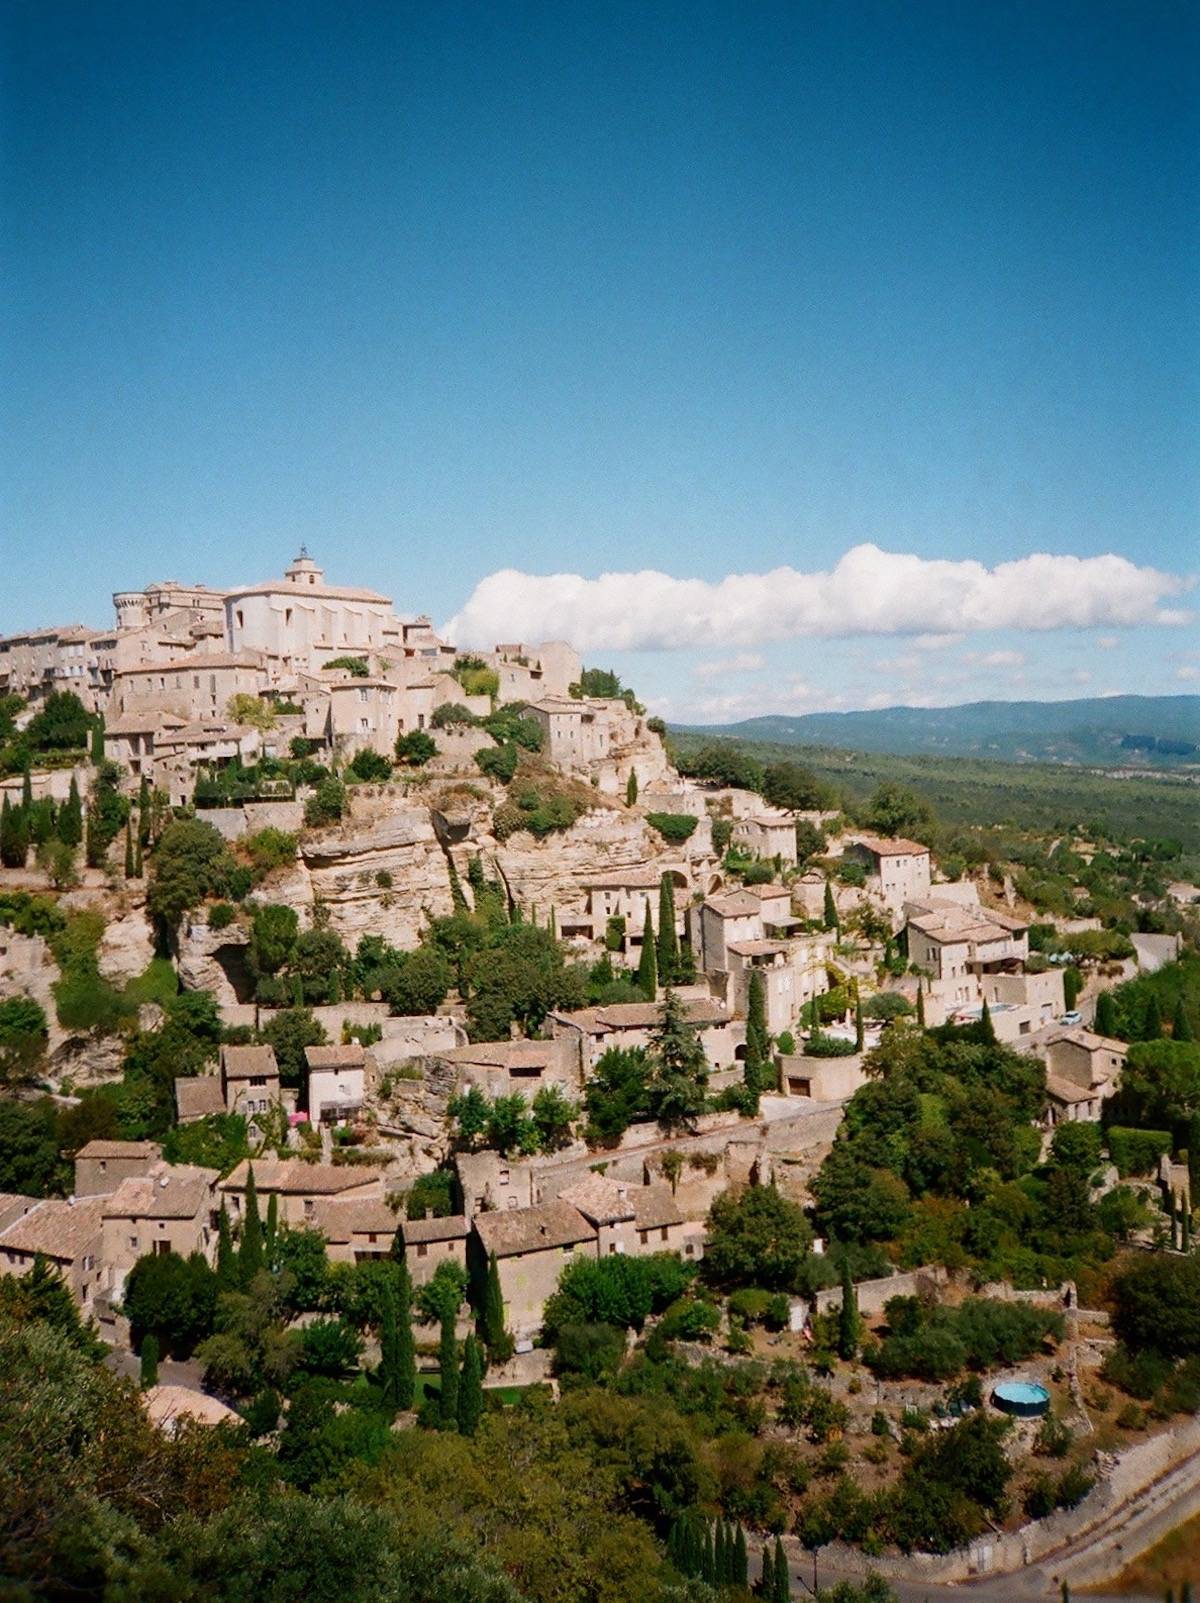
<point>743,662</point>
<point>995,659</point>
<point>1081,676</point>
<point>1108,642</point>
<point>1187,672</point>
<point>868,592</point>
<point>937,642</point>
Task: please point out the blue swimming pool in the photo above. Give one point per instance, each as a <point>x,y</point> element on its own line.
<point>1024,1398</point>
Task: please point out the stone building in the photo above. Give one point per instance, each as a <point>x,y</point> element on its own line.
<point>301,623</point>
<point>101,1166</point>
<point>299,1186</point>
<point>172,1209</point>
<point>532,1246</point>
<point>898,870</point>
<point>68,1235</point>
<point>430,1242</point>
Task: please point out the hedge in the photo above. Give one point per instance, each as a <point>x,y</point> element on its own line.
<point>1136,1151</point>
<point>675,827</point>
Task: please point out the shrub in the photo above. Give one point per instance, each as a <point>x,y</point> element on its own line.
<point>450,714</point>
<point>370,766</point>
<point>221,915</point>
<point>356,667</point>
<point>829,1046</point>
<point>326,805</point>
<point>415,749</point>
<point>498,762</point>
<point>673,827</point>
<point>191,862</point>
<point>1137,1151</point>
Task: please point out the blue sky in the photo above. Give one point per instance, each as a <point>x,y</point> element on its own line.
<point>451,291</point>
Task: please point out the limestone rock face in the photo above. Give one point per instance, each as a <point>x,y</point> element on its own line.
<point>126,946</point>
<point>88,1060</point>
<point>556,871</point>
<point>214,960</point>
<point>344,871</point>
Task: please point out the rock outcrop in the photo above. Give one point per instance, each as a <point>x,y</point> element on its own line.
<point>126,947</point>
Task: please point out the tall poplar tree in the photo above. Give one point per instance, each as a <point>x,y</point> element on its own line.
<point>830,915</point>
<point>758,1041</point>
<point>70,817</point>
<point>1106,1015</point>
<point>647,971</point>
<point>227,1261</point>
<point>491,1318</point>
<point>849,1320</point>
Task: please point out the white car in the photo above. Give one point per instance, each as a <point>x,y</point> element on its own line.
<point>1073,1017</point>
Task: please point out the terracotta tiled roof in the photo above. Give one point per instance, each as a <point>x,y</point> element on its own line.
<point>882,846</point>
<point>121,1149</point>
<point>297,1178</point>
<point>340,1218</point>
<point>60,1230</point>
<point>246,1062</point>
<point>352,1056</point>
<point>455,1227</point>
<point>514,1231</point>
<point>654,1206</point>
<point>198,1096</point>
<point>599,1199</point>
<point>170,1192</point>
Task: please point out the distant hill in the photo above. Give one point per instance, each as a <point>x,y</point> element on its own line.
<point>1107,731</point>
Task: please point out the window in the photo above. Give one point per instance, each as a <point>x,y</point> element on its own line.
<point>662,1235</point>
<point>643,1236</point>
<point>308,1207</point>
<point>422,1249</point>
<point>133,1241</point>
<point>364,695</point>
<point>162,1248</point>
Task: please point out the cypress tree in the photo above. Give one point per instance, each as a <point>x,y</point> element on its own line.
<point>448,1375</point>
<point>1172,1215</point>
<point>849,1322</point>
<point>668,940</point>
<point>675,1544</point>
<point>631,788</point>
<point>647,971</point>
<point>97,751</point>
<point>708,1567</point>
<point>830,915</point>
<point>720,1556</point>
<point>297,991</point>
<point>27,790</point>
<point>766,1580</point>
<point>227,1263</point>
<point>149,1361</point>
<point>470,1388</point>
<point>491,1321</point>
<point>70,817</point>
<point>1106,1014</point>
<point>1181,1025</point>
<point>390,1361</point>
<point>457,899</point>
<point>1193,1151</point>
<point>93,841</point>
<point>406,1353</point>
<point>783,1579</point>
<point>987,1029</point>
<point>250,1255</point>
<point>758,1041</point>
<point>859,1032</point>
<point>143,803</point>
<point>272,1229</point>
<point>128,851</point>
<point>920,1007</point>
<point>1185,1240</point>
<point>553,924</point>
<point>1152,1027</point>
<point>137,859</point>
<point>14,836</point>
<point>741,1563</point>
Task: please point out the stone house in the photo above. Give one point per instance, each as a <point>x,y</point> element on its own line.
<point>964,945</point>
<point>772,962</point>
<point>336,1082</point>
<point>1082,1070</point>
<point>198,1096</point>
<point>249,1079</point>
<point>130,739</point>
<point>356,1230</point>
<point>173,1208</point>
<point>592,1030</point>
<point>299,1186</point>
<point>572,735</point>
<point>14,1206</point>
<point>194,687</point>
<point>623,893</point>
<point>532,1246</point>
<point>68,1235</point>
<point>627,1218</point>
<point>530,673</point>
<point>768,833</point>
<point>499,1068</point>
<point>729,917</point>
<point>898,871</point>
<point>821,1079</point>
<point>429,1242</point>
<point>361,714</point>
<point>101,1166</point>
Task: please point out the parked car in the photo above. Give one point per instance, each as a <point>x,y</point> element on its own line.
<point>1072,1018</point>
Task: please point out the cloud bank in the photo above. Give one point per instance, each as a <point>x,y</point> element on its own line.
<point>868,592</point>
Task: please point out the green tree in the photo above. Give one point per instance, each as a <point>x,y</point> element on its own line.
<point>271,1232</point>
<point>62,723</point>
<point>1181,1025</point>
<point>631,788</point>
<point>251,1253</point>
<point>97,746</point>
<point>70,817</point>
<point>227,1262</point>
<point>470,1388</point>
<point>849,1318</point>
<point>859,1036</point>
<point>274,928</point>
<point>191,861</point>
<point>759,1070</point>
<point>492,1326</point>
<point>128,851</point>
<point>678,1067</point>
<point>766,1581</point>
<point>1106,1015</point>
<point>290,1033</point>
<point>1152,1024</point>
<point>415,748</point>
<point>987,1030</point>
<point>920,1006</point>
<point>149,1361</point>
<point>830,918</point>
<point>757,1238</point>
<point>667,952</point>
<point>397,1368</point>
<point>781,1575</point>
<point>647,971</point>
<point>14,835</point>
<point>894,810</point>
<point>448,1375</point>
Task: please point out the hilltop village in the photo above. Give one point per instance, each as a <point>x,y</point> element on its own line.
<point>385,1016</point>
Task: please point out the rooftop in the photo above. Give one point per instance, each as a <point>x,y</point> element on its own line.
<point>171,1191</point>
<point>59,1229</point>
<point>249,1062</point>
<point>120,1149</point>
<point>340,1218</point>
<point>453,1228</point>
<point>352,1056</point>
<point>883,846</point>
<point>296,1178</point>
<point>538,1229</point>
<point>198,1096</point>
